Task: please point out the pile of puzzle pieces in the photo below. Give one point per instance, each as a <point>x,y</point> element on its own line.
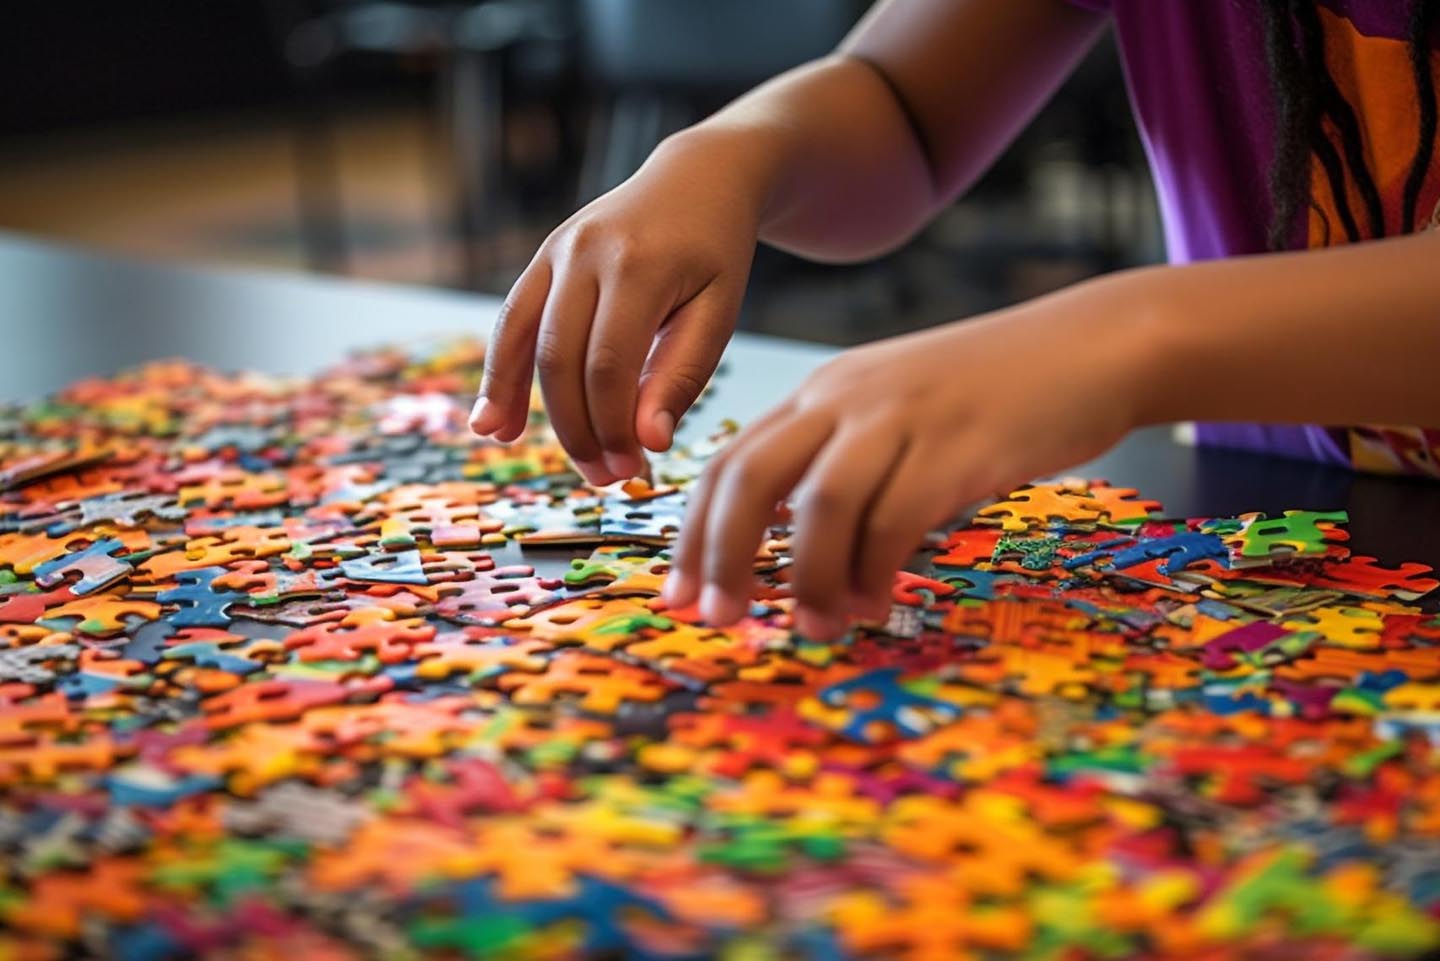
<point>300,669</point>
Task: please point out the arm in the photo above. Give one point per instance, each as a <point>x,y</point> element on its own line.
<point>1343,335</point>
<point>852,154</point>
<point>954,414</point>
<point>627,306</point>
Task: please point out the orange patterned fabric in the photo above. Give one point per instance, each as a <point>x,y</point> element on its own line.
<point>1375,75</point>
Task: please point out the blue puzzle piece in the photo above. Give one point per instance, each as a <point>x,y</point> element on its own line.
<point>1380,681</point>
<point>144,942</point>
<point>153,794</point>
<point>402,568</point>
<point>1224,700</point>
<point>83,685</point>
<point>212,655</point>
<point>979,585</point>
<point>656,517</point>
<point>214,525</point>
<point>600,907</point>
<point>1179,550</point>
<point>903,710</point>
<point>1217,609</point>
<point>200,604</point>
<point>96,566</point>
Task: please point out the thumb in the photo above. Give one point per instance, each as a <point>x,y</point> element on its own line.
<point>686,352</point>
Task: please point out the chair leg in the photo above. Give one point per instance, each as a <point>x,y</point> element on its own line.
<point>319,205</point>
<point>594,153</point>
<point>477,137</point>
<point>635,119</point>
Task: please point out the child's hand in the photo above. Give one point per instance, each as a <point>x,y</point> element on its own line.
<point>625,311</point>
<point>890,440</point>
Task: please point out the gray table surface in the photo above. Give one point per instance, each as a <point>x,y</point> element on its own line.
<point>67,313</point>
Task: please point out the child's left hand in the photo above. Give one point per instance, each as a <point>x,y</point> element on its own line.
<point>889,440</point>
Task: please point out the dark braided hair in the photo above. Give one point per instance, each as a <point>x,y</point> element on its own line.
<point>1308,103</point>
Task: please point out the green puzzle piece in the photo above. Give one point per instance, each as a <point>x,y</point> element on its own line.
<point>1295,532</point>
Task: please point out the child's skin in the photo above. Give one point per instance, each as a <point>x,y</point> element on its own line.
<point>627,306</point>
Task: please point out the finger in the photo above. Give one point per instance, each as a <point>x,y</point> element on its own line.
<point>504,397</point>
<point>687,350</point>
<point>682,584</point>
<point>755,476</point>
<point>829,504</point>
<point>560,359</point>
<point>629,313</point>
<point>919,493</point>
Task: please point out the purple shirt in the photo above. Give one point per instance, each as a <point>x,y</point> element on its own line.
<point>1201,91</point>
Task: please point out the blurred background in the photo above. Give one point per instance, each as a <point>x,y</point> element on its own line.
<point>438,142</point>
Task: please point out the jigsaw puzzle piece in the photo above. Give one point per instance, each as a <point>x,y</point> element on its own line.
<point>105,614</point>
<point>1178,552</point>
<point>201,603</point>
<point>95,564</point>
<point>478,656</point>
<point>597,684</point>
<point>492,597</point>
<point>877,706</point>
<point>1043,505</point>
<point>1295,535</point>
<point>372,631</point>
<point>388,568</point>
<point>1366,577</point>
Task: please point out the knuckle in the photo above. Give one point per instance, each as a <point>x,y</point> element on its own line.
<point>898,535</point>
<point>833,369</point>
<point>584,235</point>
<point>506,316</point>
<point>824,500</point>
<point>811,587</point>
<point>551,358</point>
<point>883,528</point>
<point>812,383</point>
<point>605,366</point>
<point>577,443</point>
<point>742,475</point>
<point>820,386</point>
<point>627,255</point>
<point>689,380</point>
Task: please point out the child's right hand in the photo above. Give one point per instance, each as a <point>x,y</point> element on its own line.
<point>625,311</point>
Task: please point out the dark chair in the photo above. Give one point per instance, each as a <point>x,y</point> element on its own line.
<point>659,65</point>
<point>467,47</point>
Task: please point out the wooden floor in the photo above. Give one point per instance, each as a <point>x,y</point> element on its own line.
<point>222,190</point>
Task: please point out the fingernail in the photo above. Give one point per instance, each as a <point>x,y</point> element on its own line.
<point>595,472</point>
<point>877,609</point>
<point>624,465</point>
<point>664,422</point>
<point>868,608</point>
<point>480,416</point>
<point>678,588</point>
<point>804,621</point>
<point>817,626</point>
<point>714,605</point>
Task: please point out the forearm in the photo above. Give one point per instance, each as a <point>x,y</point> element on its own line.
<point>847,157</point>
<point>824,154</point>
<point>1337,336</point>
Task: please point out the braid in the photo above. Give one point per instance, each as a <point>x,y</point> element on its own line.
<point>1296,113</point>
<point>1306,95</point>
<point>1338,109</point>
<point>1422,18</point>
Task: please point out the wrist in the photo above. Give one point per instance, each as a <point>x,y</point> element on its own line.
<point>740,164</point>
<point>1126,328</point>
<point>1160,368</point>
